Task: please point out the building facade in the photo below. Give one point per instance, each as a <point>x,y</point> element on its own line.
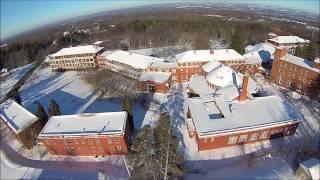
<point>94,134</point>
<point>159,82</point>
<point>293,72</point>
<point>75,58</point>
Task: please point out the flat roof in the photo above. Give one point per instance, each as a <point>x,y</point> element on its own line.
<point>206,56</point>
<point>259,112</point>
<point>16,116</point>
<point>159,77</point>
<point>86,124</point>
<point>89,49</point>
<point>300,62</point>
<point>134,60</point>
<point>288,39</point>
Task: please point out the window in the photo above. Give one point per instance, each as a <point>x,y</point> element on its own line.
<point>205,140</point>
<point>76,141</point>
<point>254,136</point>
<point>97,141</point>
<point>109,141</point>
<point>299,88</point>
<point>289,83</point>
<point>279,79</point>
<point>232,139</point>
<point>83,142</point>
<point>212,139</point>
<point>111,148</point>
<point>116,140</point>
<point>243,138</point>
<point>119,148</point>
<point>90,141</point>
<point>264,134</point>
<point>93,148</point>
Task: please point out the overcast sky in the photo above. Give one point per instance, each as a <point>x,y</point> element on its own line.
<point>22,15</point>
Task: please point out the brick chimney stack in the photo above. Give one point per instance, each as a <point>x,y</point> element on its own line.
<point>243,92</point>
<point>278,54</point>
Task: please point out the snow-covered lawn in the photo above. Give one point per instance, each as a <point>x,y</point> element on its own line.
<point>274,168</point>
<point>9,79</point>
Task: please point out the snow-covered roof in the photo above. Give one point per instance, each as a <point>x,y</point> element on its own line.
<point>159,77</point>
<point>164,64</point>
<point>211,66</point>
<point>89,49</point>
<point>229,92</point>
<point>84,124</point>
<point>312,166</point>
<point>98,42</point>
<point>134,60</point>
<point>288,40</point>
<point>222,76</point>
<point>300,62</point>
<point>16,116</point>
<point>206,55</point>
<point>259,112</point>
<point>259,53</point>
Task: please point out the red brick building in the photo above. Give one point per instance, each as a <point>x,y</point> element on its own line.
<point>19,121</point>
<point>293,72</point>
<point>155,82</point>
<point>87,134</point>
<point>230,115</point>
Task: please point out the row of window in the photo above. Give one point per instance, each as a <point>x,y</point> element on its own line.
<point>100,148</point>
<point>292,68</point>
<point>73,65</point>
<point>73,56</point>
<point>254,136</point>
<point>250,137</point>
<point>162,70</point>
<point>289,83</point>
<point>84,141</point>
<point>71,61</point>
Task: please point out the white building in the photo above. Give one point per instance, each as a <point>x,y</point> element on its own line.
<point>290,42</point>
<point>74,58</point>
<point>127,63</point>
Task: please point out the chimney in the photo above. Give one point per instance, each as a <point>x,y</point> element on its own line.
<point>243,92</point>
<point>211,51</point>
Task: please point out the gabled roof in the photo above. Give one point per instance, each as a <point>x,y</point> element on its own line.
<point>134,60</point>
<point>159,77</point>
<point>206,55</point>
<point>16,116</point>
<point>85,124</point>
<point>89,49</point>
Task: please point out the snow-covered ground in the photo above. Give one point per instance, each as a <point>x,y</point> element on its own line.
<point>73,95</point>
<point>9,79</point>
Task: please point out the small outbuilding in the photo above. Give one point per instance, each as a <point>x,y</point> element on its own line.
<point>22,123</point>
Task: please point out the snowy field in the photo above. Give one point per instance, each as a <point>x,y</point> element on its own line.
<point>9,79</point>
<point>73,95</point>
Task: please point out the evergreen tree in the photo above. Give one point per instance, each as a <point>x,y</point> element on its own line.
<point>126,106</point>
<point>142,139</point>
<point>237,42</point>
<point>54,109</point>
<point>310,52</point>
<point>300,52</point>
<point>161,135</point>
<point>41,114</point>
